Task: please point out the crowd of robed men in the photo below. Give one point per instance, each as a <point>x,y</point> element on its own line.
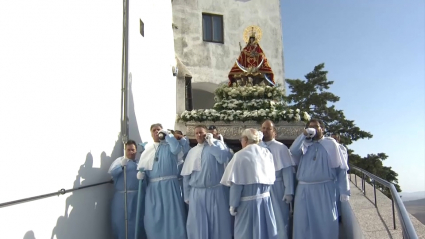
<point>209,192</point>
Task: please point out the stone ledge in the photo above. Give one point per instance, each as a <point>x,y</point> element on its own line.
<point>233,130</point>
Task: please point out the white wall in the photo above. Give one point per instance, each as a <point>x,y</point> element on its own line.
<point>151,61</point>
<point>211,62</point>
<point>60,88</point>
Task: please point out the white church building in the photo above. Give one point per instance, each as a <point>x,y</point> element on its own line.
<point>61,94</point>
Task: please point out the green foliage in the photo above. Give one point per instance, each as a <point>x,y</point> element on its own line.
<point>312,95</point>
<point>373,164</point>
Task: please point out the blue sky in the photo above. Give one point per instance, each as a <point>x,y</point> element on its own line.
<point>375,54</point>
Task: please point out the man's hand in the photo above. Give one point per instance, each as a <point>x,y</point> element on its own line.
<point>140,175</point>
<point>124,161</point>
<point>310,132</point>
<point>232,211</point>
<point>209,138</point>
<point>344,198</point>
<point>288,198</point>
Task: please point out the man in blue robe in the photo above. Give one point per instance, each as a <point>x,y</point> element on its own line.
<point>208,200</point>
<point>118,213</point>
<point>164,207</point>
<point>249,178</point>
<point>283,190</point>
<point>321,169</point>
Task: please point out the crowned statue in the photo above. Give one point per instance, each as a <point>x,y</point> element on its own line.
<point>251,67</point>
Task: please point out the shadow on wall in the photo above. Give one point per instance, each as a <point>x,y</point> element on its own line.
<point>134,133</point>
<point>202,99</point>
<point>29,235</point>
<point>87,212</point>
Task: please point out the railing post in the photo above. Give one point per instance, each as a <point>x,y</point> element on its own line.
<point>392,203</point>
<point>374,192</point>
<point>363,184</point>
<point>355,178</point>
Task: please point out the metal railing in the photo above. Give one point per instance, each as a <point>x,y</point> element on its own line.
<point>406,224</point>
<point>58,193</point>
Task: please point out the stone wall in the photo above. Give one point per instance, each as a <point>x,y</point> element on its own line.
<point>233,131</point>
<point>211,62</point>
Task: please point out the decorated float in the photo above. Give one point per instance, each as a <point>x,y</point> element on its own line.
<point>250,97</point>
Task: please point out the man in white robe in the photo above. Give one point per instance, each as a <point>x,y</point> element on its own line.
<point>321,169</point>
<point>249,178</point>
<point>283,190</point>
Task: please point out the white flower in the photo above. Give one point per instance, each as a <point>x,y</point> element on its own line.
<point>290,116</point>
<point>297,117</point>
<point>269,94</point>
<point>297,110</point>
<point>306,116</point>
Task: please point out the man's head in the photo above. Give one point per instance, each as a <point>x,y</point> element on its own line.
<point>319,126</point>
<point>200,132</point>
<point>155,128</point>
<point>213,130</point>
<point>249,136</point>
<point>130,149</point>
<point>336,137</point>
<point>269,130</point>
<point>178,134</point>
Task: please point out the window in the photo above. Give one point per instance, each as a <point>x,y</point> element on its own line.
<point>188,93</point>
<point>142,28</point>
<point>212,28</point>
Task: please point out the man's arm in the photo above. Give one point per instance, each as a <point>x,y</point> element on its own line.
<point>296,148</point>
<point>186,188</point>
<point>288,180</point>
<point>220,152</point>
<point>342,183</point>
<point>174,144</point>
<point>235,197</point>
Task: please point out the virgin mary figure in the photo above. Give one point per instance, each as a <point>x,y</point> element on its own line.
<point>251,62</point>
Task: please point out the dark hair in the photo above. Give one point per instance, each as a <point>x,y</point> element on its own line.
<point>201,126</point>
<point>320,122</point>
<point>178,132</point>
<point>338,137</point>
<point>155,125</point>
<point>130,142</point>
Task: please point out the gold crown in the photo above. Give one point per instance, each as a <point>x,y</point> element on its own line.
<point>252,31</point>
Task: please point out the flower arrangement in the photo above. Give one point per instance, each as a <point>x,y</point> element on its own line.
<point>257,104</point>
<point>246,103</point>
<point>201,115</point>
<point>248,92</point>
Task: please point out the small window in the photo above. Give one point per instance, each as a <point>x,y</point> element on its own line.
<point>142,28</point>
<point>212,28</point>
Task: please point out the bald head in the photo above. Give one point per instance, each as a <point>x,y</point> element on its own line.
<point>269,130</point>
